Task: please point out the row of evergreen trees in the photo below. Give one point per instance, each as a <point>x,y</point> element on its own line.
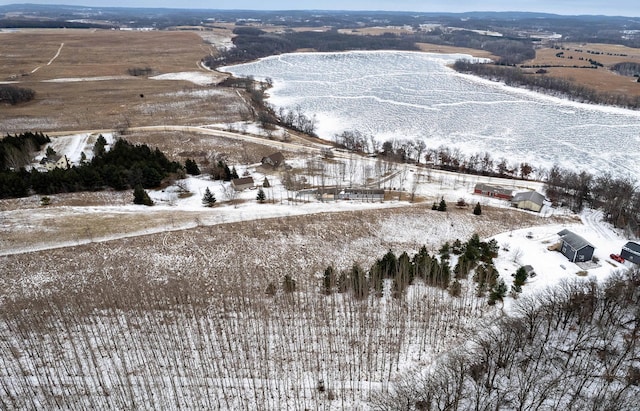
<point>124,166</point>
<point>472,256</point>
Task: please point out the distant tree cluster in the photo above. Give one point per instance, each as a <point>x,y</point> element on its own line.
<point>627,68</point>
<point>124,166</point>
<point>443,157</point>
<point>16,150</point>
<point>575,346</point>
<point>474,255</point>
<point>618,197</point>
<point>514,76</point>
<point>139,71</point>
<point>221,171</point>
<point>252,43</point>
<point>510,50</point>
<point>15,95</point>
<point>296,120</point>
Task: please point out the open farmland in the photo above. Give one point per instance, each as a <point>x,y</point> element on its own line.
<point>82,80</point>
<point>601,79</point>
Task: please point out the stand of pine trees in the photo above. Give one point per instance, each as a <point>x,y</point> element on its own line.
<point>124,166</point>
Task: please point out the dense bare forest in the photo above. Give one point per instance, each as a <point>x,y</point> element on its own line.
<point>574,347</point>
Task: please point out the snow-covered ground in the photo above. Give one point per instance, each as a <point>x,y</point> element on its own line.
<point>528,246</point>
<point>246,350</point>
<point>197,77</point>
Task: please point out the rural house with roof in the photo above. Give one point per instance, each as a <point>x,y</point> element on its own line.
<point>529,200</point>
<point>56,161</point>
<point>243,183</point>
<point>489,190</point>
<point>275,160</point>
<point>574,247</point>
<point>631,252</point>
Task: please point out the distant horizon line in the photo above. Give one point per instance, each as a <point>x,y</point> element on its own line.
<point>321,10</point>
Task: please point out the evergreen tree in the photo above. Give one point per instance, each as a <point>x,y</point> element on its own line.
<point>266,183</point>
<point>191,167</point>
<point>99,147</point>
<point>261,197</point>
<point>477,210</point>
<point>359,284</point>
<point>288,284</point>
<point>455,289</point>
<point>234,173</point>
<point>434,206</point>
<point>271,289</point>
<point>443,205</point>
<point>208,199</point>
<point>140,196</point>
<point>445,251</point>
<point>328,279</point>
<point>520,277</point>
<point>498,292</point>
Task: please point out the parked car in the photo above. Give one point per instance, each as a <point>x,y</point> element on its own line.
<point>616,257</point>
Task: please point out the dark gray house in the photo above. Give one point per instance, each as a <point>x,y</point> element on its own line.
<point>574,247</point>
<point>275,160</point>
<point>631,252</point>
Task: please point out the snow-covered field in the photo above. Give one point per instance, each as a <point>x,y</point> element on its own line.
<point>403,95</point>
<point>175,313</point>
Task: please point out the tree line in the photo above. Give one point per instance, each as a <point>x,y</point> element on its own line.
<point>122,167</point>
<point>574,347</point>
<point>627,68</point>
<point>514,76</point>
<point>442,157</point>
<point>618,197</point>
<point>252,43</point>
<point>509,50</point>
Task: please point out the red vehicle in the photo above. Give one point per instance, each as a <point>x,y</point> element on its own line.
<point>616,257</point>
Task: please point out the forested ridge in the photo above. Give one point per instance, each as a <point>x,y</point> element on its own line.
<point>515,76</point>
<point>252,43</point>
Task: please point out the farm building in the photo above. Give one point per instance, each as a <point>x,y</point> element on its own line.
<point>361,194</point>
<point>275,160</point>
<point>489,190</point>
<point>574,247</point>
<point>243,183</point>
<point>631,252</point>
<point>529,200</point>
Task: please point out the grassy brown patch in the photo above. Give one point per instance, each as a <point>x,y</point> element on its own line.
<point>120,99</point>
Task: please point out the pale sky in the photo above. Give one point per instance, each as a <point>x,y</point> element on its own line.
<point>572,7</point>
